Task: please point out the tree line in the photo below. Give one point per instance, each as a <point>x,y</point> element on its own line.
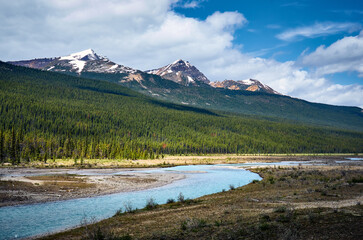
<point>48,116</point>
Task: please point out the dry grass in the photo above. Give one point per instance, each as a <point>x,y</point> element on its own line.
<point>289,203</point>
<point>57,177</point>
<point>181,160</point>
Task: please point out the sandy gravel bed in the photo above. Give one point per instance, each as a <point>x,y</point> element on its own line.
<point>27,186</point>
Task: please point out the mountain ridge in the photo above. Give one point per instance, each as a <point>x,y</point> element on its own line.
<point>202,95</point>
<point>182,72</point>
<point>252,85</point>
<point>83,61</point>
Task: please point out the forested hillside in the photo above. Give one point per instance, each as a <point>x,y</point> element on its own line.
<point>47,115</point>
<point>245,102</point>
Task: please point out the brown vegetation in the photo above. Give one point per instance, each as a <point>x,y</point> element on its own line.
<point>289,203</point>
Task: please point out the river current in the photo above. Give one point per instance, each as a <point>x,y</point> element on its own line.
<point>37,219</point>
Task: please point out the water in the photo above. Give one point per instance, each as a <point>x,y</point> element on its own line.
<point>31,220</point>
<point>355,159</point>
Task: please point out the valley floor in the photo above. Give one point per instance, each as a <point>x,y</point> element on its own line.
<point>175,160</point>
<point>39,182</point>
<point>291,202</point>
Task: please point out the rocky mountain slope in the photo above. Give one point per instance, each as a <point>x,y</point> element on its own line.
<point>84,61</point>
<point>248,85</point>
<point>181,72</point>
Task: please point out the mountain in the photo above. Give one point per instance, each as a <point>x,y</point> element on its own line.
<point>181,72</point>
<point>48,115</point>
<point>184,73</point>
<point>84,61</point>
<point>248,85</point>
<point>38,63</point>
<point>197,93</point>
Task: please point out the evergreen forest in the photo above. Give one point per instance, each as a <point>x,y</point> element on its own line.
<point>46,115</point>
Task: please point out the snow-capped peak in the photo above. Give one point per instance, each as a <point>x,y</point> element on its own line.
<point>84,55</point>
<point>182,72</point>
<point>79,62</point>
<point>79,59</point>
<point>181,61</point>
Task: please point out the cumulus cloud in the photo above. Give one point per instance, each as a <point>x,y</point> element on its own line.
<point>190,4</point>
<point>343,55</point>
<point>147,34</point>
<point>284,77</point>
<point>318,29</point>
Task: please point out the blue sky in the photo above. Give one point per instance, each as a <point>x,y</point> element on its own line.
<point>306,49</point>
<point>269,18</point>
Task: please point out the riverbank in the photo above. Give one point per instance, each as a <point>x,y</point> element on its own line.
<point>29,185</point>
<point>169,160</point>
<point>291,202</point>
<point>44,183</point>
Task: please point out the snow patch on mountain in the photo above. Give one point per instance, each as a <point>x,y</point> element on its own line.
<point>181,72</point>
<point>190,79</point>
<point>79,59</point>
<point>85,55</point>
<point>247,82</point>
<point>114,66</point>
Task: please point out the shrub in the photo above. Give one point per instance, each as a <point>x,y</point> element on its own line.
<point>264,226</point>
<point>118,212</point>
<point>271,180</point>
<point>128,207</point>
<point>281,209</point>
<point>151,204</point>
<point>231,187</point>
<point>193,224</point>
<point>170,200</point>
<point>357,180</point>
<point>265,218</point>
<point>181,198</point>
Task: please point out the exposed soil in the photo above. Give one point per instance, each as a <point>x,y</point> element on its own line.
<point>26,186</point>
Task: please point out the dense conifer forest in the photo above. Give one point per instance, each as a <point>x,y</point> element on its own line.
<point>48,115</point>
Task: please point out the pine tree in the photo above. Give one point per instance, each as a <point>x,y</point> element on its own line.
<point>13,147</point>
<point>2,153</point>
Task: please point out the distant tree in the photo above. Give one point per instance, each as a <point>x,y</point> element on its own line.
<point>2,150</point>
<point>13,147</point>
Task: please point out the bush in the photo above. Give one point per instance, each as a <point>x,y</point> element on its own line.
<point>264,226</point>
<point>94,231</point>
<point>128,207</point>
<point>271,180</point>
<point>118,212</point>
<point>281,209</point>
<point>170,200</point>
<point>151,204</point>
<point>181,198</point>
<point>193,224</point>
<point>231,187</point>
<point>357,180</point>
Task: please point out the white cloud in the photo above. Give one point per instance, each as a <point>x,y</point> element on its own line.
<point>190,4</point>
<point>343,55</point>
<point>286,78</point>
<point>318,29</point>
<point>146,34</point>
